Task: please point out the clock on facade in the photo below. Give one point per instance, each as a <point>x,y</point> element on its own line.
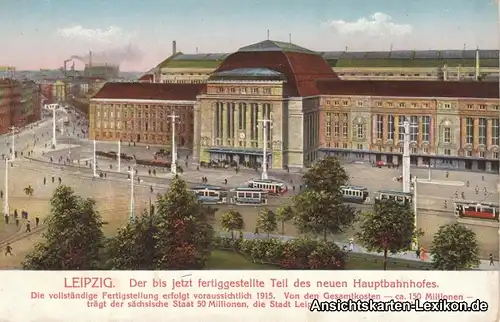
<point>242,135</point>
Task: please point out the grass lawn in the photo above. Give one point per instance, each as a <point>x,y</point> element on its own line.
<point>222,259</point>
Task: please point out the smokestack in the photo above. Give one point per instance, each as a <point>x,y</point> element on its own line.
<point>196,49</point>
<point>458,73</point>
<point>267,34</point>
<point>445,72</point>
<point>174,47</point>
<point>477,64</point>
<point>90,59</point>
<point>290,37</point>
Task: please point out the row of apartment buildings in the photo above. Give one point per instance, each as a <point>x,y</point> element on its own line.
<point>20,103</point>
<point>313,113</point>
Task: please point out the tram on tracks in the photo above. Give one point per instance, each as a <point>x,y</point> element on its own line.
<point>210,195</point>
<point>470,209</point>
<point>248,196</point>
<point>398,196</point>
<point>353,194</point>
<point>273,187</point>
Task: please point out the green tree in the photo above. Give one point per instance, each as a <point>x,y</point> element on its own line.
<point>327,175</point>
<point>389,228</point>
<point>176,234</point>
<point>321,213</point>
<point>454,247</point>
<point>185,233</point>
<point>232,221</point>
<point>73,238</point>
<point>267,221</point>
<point>284,214</point>
<point>135,238</point>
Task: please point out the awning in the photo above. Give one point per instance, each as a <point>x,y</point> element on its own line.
<point>229,150</point>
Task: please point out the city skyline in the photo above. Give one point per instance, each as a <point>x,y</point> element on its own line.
<point>138,35</point>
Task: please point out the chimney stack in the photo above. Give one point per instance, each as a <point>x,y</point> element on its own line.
<point>174,47</point>
<point>458,73</point>
<point>445,72</point>
<point>90,59</point>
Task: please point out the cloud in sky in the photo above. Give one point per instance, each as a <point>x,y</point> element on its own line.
<point>379,24</point>
<point>108,35</point>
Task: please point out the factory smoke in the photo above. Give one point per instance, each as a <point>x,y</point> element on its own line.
<point>112,56</point>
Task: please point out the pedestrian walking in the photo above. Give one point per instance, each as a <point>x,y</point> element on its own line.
<point>60,180</point>
<point>17,222</point>
<point>28,227</point>
<point>256,232</point>
<point>1,194</point>
<point>53,179</point>
<point>149,171</point>
<point>15,213</point>
<point>6,219</point>
<point>44,181</point>
<point>351,244</point>
<point>492,263</point>
<point>151,188</point>
<point>37,221</point>
<point>8,250</point>
<point>154,172</point>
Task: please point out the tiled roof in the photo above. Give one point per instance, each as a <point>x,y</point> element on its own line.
<point>409,88</point>
<point>151,91</point>
<point>300,69</point>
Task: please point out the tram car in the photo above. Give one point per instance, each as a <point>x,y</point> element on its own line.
<point>469,209</point>
<point>399,196</point>
<point>353,194</point>
<point>249,196</point>
<point>271,186</point>
<point>210,195</point>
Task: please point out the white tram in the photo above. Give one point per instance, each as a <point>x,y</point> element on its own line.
<point>353,194</point>
<point>399,196</point>
<point>249,196</point>
<point>210,194</point>
<point>271,186</point>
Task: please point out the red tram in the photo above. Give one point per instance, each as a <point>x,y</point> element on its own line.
<point>477,210</point>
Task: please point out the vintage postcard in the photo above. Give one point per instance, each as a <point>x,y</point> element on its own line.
<point>217,160</point>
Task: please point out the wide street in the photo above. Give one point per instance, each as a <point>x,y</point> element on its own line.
<point>112,193</point>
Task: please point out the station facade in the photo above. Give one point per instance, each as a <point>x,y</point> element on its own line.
<point>313,113</point>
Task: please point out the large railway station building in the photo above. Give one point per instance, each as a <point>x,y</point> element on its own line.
<point>313,112</point>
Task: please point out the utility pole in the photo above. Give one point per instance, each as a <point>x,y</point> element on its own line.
<point>132,215</point>
<point>119,155</point>
<point>406,157</point>
<point>265,123</point>
<point>94,160</point>
<point>13,137</point>
<point>173,168</point>
<point>6,208</point>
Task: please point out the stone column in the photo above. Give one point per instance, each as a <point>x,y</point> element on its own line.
<point>476,133</point>
<point>463,130</point>
<point>197,133</point>
<point>248,124</point>
<point>420,128</point>
<point>396,130</point>
<point>224,123</point>
<point>488,133</point>
<point>374,129</point>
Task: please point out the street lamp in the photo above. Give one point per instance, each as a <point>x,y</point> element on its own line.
<point>132,215</point>
<point>119,155</point>
<point>265,123</point>
<point>173,167</point>
<point>416,181</point>
<point>94,160</point>
<point>6,209</point>
<point>13,137</point>
<point>53,108</point>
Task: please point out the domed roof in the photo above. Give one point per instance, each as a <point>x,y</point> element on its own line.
<point>299,66</point>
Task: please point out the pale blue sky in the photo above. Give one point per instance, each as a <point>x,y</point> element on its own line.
<point>42,33</point>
